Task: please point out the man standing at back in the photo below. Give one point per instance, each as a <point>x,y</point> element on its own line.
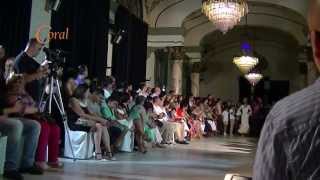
<point>289,145</point>
<point>26,64</point>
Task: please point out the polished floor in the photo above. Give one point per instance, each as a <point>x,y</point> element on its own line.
<point>205,159</point>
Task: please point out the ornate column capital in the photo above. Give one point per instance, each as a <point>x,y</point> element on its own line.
<point>198,67</point>
<point>177,53</point>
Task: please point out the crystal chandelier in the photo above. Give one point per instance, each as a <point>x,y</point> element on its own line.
<point>245,63</point>
<point>224,14</point>
<point>254,78</point>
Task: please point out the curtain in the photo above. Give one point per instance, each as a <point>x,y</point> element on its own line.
<point>15,25</point>
<point>88,23</point>
<point>130,55</point>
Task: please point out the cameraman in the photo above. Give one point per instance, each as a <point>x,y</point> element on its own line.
<point>26,64</point>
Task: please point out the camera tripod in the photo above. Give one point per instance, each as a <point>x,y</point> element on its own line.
<point>51,91</point>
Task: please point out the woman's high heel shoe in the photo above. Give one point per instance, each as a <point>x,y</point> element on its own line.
<point>110,157</point>
<point>98,156</point>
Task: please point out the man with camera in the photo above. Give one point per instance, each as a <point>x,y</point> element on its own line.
<point>26,64</point>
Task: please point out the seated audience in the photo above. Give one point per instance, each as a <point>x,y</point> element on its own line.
<point>150,128</point>
<point>117,129</point>
<point>181,117</point>
<point>69,83</point>
<point>210,126</point>
<point>196,120</point>
<point>26,64</point>
<point>108,87</point>
<point>168,127</point>
<point>9,70</point>
<point>82,77</point>
<point>49,129</point>
<point>15,129</point>
<point>137,112</point>
<point>81,119</point>
<point>122,114</point>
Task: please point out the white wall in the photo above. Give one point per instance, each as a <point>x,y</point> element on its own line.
<point>39,17</point>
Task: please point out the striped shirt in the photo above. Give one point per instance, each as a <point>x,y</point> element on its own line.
<point>289,146</point>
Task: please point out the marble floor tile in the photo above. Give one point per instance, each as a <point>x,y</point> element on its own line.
<point>205,159</point>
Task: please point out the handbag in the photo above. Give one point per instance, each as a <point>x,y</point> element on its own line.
<point>158,123</point>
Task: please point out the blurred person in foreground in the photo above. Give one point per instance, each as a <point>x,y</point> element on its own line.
<point>289,145</point>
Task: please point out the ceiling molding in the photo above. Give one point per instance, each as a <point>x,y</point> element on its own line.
<point>166,31</point>
<point>291,15</point>
<point>165,9</point>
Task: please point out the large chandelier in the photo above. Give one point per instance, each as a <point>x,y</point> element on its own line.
<point>254,78</point>
<point>224,14</point>
<point>245,63</point>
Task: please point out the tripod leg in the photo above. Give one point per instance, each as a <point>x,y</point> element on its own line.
<point>43,100</point>
<point>51,94</point>
<point>59,102</point>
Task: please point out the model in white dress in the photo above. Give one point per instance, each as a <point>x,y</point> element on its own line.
<point>245,112</point>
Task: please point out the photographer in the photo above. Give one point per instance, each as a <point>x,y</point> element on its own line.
<point>26,64</point>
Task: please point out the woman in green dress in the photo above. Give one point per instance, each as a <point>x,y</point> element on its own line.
<point>137,113</point>
<point>118,130</point>
<point>150,127</point>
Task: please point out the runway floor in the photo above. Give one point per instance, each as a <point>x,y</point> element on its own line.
<point>208,159</point>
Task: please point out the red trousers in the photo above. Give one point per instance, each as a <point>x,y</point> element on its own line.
<point>49,138</point>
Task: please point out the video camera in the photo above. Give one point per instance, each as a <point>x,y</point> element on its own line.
<point>56,59</point>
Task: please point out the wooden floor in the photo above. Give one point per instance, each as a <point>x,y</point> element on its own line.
<point>205,159</point>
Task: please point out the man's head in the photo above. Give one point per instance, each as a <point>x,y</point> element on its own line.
<point>33,47</point>
<point>314,26</point>
<point>2,52</point>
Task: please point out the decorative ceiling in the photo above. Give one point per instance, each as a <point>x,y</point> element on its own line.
<point>161,13</point>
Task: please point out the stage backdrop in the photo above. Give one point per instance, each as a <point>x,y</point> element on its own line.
<point>88,25</point>
<point>14,25</point>
<point>129,57</point>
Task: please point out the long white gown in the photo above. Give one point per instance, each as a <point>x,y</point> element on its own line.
<point>245,111</point>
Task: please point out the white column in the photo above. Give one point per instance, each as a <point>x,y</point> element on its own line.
<point>109,56</point>
<point>195,84</point>
<point>176,76</point>
<point>150,70</point>
<point>158,40</point>
<point>195,59</point>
